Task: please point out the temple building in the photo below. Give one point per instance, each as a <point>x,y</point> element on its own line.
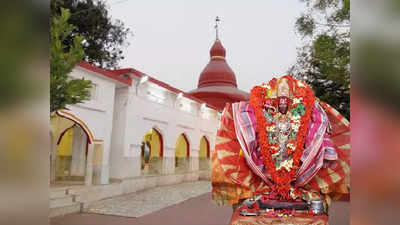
<point>217,83</point>
<point>135,133</point>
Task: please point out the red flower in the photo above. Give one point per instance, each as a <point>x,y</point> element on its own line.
<point>281,178</point>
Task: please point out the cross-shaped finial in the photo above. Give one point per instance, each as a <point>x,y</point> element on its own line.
<point>216,27</point>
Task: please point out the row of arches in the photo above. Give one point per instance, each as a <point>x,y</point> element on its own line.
<point>152,153</point>
<point>69,157</point>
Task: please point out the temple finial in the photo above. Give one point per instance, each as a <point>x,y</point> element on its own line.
<point>216,27</point>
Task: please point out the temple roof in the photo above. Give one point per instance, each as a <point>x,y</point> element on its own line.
<point>217,83</point>
<point>217,72</point>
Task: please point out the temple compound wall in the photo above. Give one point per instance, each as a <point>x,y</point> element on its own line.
<point>134,133</point>
<point>177,123</point>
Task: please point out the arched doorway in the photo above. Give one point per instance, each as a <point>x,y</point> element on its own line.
<point>151,152</point>
<point>70,142</point>
<point>204,154</point>
<point>71,153</point>
<point>182,153</point>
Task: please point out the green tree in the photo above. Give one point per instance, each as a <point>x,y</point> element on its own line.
<point>324,59</point>
<point>63,89</point>
<point>104,37</point>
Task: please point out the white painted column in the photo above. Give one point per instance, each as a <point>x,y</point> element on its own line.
<point>100,171</point>
<point>194,160</point>
<point>168,162</point>
<point>78,152</point>
<point>89,165</point>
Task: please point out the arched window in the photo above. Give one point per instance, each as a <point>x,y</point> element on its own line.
<point>204,154</point>
<point>182,153</point>
<point>151,152</point>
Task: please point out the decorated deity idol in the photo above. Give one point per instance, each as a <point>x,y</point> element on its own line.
<point>284,148</point>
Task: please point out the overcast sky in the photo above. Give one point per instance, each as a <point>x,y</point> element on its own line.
<point>171,39</point>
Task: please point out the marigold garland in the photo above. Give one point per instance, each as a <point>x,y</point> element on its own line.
<point>282,177</point>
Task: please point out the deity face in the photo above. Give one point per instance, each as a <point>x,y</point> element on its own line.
<point>283,104</point>
<point>283,96</point>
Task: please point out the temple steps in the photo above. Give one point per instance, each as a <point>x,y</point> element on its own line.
<point>63,202</point>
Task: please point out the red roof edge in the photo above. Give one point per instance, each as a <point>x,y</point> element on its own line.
<point>107,73</point>
<point>139,74</point>
<point>115,74</point>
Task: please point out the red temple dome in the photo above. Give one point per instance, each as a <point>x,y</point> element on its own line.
<point>217,83</point>
<point>217,49</point>
<point>217,72</point>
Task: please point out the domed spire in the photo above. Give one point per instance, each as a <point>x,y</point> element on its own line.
<point>217,72</point>
<point>217,50</point>
<point>217,82</point>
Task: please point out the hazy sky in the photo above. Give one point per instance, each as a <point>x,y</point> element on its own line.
<point>171,39</point>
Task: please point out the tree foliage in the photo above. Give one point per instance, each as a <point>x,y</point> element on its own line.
<point>324,59</point>
<point>63,89</point>
<point>104,37</point>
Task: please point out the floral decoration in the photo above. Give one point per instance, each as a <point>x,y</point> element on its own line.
<point>299,114</point>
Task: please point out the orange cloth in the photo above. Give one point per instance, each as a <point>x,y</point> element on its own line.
<point>233,180</point>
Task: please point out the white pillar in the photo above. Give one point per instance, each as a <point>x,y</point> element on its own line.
<point>194,163</point>
<point>100,168</point>
<point>78,152</point>
<point>168,161</point>
<point>133,161</point>
<point>89,165</point>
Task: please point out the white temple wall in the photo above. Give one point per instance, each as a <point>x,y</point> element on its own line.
<point>120,116</point>
<point>97,114</point>
<point>151,106</point>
